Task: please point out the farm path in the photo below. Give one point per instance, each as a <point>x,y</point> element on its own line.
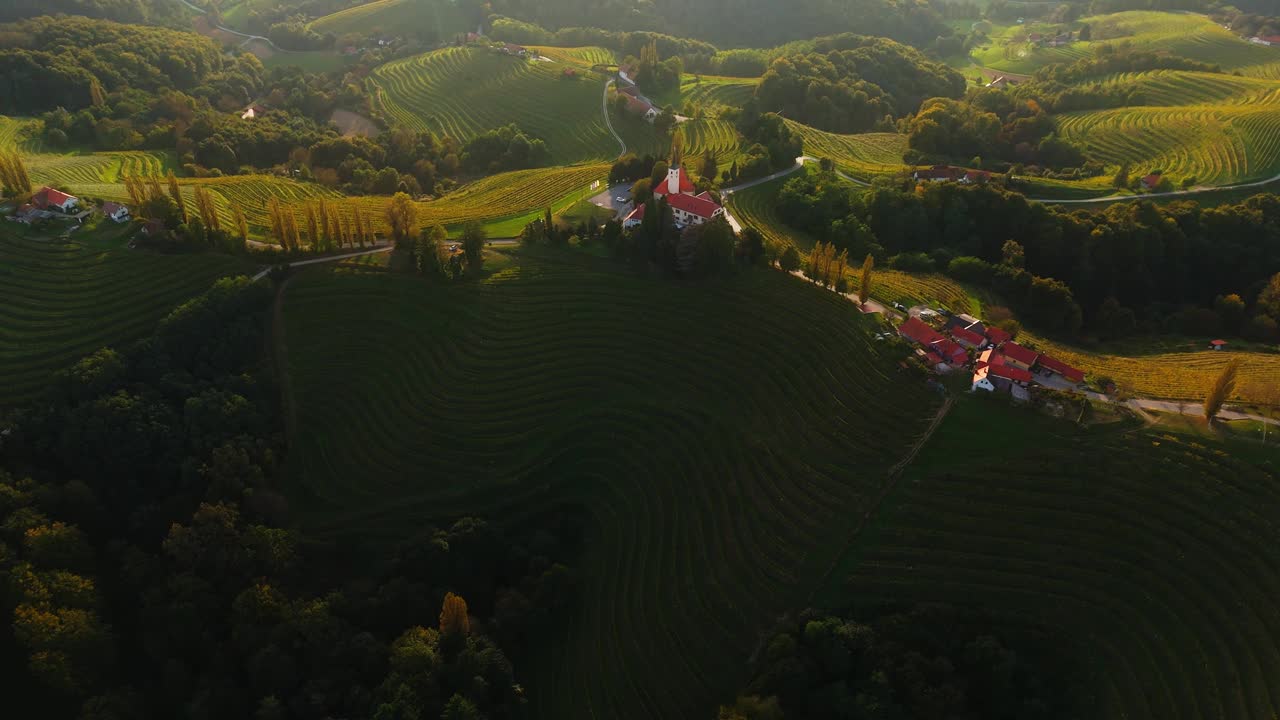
<point>331,258</point>
<point>604,108</point>
<point>237,33</point>
<point>894,477</point>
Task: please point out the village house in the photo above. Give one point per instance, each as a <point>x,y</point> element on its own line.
<point>640,108</point>
<point>55,200</point>
<point>117,212</point>
<point>1217,344</point>
<point>1018,356</point>
<point>678,189</point>
<point>998,336</point>
<point>976,177</point>
<point>915,330</point>
<point>253,111</point>
<point>1048,365</point>
<point>1151,182</point>
<point>968,338</point>
<point>513,49</point>
<point>1001,82</point>
<point>1266,40</point>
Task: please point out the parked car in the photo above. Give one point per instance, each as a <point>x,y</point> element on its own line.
<point>899,306</point>
<point>621,199</point>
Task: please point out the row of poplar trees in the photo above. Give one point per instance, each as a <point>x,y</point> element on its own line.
<point>13,174</point>
<point>827,268</point>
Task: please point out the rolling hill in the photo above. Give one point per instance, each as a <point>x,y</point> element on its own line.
<point>719,437</point>
<point>438,19</point>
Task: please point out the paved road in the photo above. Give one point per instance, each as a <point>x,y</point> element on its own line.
<point>1173,193</point>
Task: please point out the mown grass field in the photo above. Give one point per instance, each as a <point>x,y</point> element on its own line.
<point>1151,555</point>
<point>64,299</point>
<point>431,18</point>
<point>462,92</point>
<point>720,438</point>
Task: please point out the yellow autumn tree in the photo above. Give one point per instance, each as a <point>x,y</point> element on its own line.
<point>175,192</point>
<point>864,287</point>
<point>402,217</point>
<point>1221,390</point>
<point>453,616</point>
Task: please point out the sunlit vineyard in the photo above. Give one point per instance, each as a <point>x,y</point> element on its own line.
<point>864,155</point>
<point>441,18</point>
<point>462,92</point>
<point>1148,557</point>
<point>66,298</point>
<point>1181,87</point>
<point>1214,144</point>
<point>582,57</point>
<point>702,135</point>
<point>560,382</point>
<point>755,208</point>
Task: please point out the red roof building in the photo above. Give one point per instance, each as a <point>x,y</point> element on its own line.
<point>1217,344</point>
<point>635,217</point>
<point>976,177</point>
<point>1056,366</point>
<point>1009,372</point>
<point>1019,356</point>
<point>950,351</point>
<point>50,199</point>
<point>939,173</point>
<point>915,330</point>
<point>968,338</point>
<point>998,336</point>
<point>691,210</point>
<point>677,183</point>
<point>1151,181</point>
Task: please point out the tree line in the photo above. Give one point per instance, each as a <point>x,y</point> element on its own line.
<point>149,568</point>
<point>1130,267</point>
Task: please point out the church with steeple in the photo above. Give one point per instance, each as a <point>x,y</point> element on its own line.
<point>678,190</point>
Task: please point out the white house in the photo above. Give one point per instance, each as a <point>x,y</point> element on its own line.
<point>687,208</point>
<point>50,199</point>
<point>117,212</point>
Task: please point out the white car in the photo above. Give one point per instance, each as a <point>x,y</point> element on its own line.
<point>621,199</point>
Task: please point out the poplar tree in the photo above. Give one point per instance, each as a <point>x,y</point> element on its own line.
<point>453,616</point>
<point>277,223</point>
<point>313,227</point>
<point>175,192</point>
<point>1221,390</point>
<point>864,287</point>
<point>242,224</point>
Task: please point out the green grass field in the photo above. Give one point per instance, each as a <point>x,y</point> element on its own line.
<point>1148,553</point>
<point>462,92</point>
<point>67,298</point>
<point>431,18</point>
<point>720,438</point>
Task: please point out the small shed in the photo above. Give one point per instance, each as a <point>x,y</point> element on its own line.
<point>1217,344</point>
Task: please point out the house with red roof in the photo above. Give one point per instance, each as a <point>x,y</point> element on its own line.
<point>915,330</point>
<point>50,199</point>
<point>950,351</point>
<point>968,338</point>
<point>1018,356</point>
<point>976,177</point>
<point>640,108</point>
<point>997,336</point>
<point>993,372</point>
<point>1266,40</point>
<point>1057,367</point>
<point>1152,181</point>
<point>1217,344</point>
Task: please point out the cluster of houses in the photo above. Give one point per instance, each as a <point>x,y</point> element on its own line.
<point>1265,40</point>
<point>1050,40</point>
<point>1000,364</point>
<point>951,173</point>
<point>49,203</point>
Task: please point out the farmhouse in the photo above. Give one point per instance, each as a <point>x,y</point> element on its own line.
<point>1217,344</point>
<point>1001,82</point>
<point>678,189</point>
<point>1151,182</point>
<point>513,49</point>
<point>640,108</point>
<point>916,331</point>
<point>938,173</point>
<point>117,212</point>
<point>1266,40</point>
<point>969,338</point>
<point>51,199</point>
<point>997,336</point>
<point>976,177</point>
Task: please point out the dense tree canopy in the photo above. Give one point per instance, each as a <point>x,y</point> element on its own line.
<point>855,89</point>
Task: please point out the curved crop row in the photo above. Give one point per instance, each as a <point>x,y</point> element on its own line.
<point>718,455</point>
<point>439,18</point>
<point>863,154</point>
<point>463,92</point>
<point>67,298</point>
<point>1150,556</point>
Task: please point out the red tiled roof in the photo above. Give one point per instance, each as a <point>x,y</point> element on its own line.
<point>1273,39</point>
<point>915,330</point>
<point>1217,342</point>
<point>939,172</point>
<point>111,208</point>
<point>630,90</point>
<point>686,185</point>
<point>637,106</point>
<point>997,336</point>
<point>637,213</point>
<point>48,196</point>
<point>1151,180</point>
<point>1017,353</point>
<point>973,175</point>
<point>1063,369</point>
<point>694,205</point>
<point>968,336</point>
<point>933,357</point>
<point>954,354</point>
<point>1009,372</point>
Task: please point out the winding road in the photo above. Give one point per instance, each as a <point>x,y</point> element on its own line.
<point>604,108</point>
<point>248,38</point>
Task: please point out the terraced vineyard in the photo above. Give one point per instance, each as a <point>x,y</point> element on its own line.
<point>1215,144</point>
<point>709,133</point>
<point>714,93</point>
<point>582,57</point>
<point>438,18</point>
<point>67,298</point>
<point>1152,557</point>
<point>462,92</point>
<point>755,207</point>
<point>719,455</point>
<point>862,155</point>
